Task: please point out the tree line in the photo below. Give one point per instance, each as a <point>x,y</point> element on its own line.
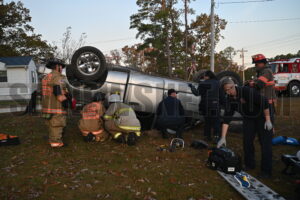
<point>171,44</point>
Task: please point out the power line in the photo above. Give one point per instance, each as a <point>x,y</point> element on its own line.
<point>281,43</point>
<point>274,46</point>
<point>274,43</point>
<point>115,40</point>
<point>267,20</point>
<point>236,2</point>
<point>276,40</point>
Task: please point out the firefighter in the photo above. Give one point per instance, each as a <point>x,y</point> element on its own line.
<point>264,81</point>
<point>121,121</point>
<point>55,101</point>
<point>91,123</point>
<point>211,97</point>
<point>256,120</point>
<point>170,115</point>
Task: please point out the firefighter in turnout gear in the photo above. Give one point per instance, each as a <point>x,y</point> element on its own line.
<point>55,101</point>
<point>121,121</point>
<point>264,81</point>
<point>91,124</point>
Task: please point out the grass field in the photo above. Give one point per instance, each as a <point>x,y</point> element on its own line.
<point>112,171</point>
<point>15,103</point>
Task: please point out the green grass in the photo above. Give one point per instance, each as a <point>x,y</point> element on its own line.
<point>5,104</point>
<point>113,171</point>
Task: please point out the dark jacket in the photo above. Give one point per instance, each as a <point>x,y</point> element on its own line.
<point>265,83</point>
<point>170,107</point>
<point>211,94</point>
<point>248,102</point>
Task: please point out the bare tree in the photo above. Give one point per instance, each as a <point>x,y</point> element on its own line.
<point>115,56</point>
<point>68,45</point>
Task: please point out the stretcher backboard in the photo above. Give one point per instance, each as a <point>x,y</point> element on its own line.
<point>257,190</point>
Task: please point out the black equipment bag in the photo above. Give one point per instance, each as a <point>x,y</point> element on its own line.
<point>292,164</point>
<point>6,139</point>
<point>225,160</point>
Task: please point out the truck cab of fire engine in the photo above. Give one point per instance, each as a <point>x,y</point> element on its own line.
<point>287,76</point>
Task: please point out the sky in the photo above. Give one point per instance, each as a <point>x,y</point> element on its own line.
<point>106,23</point>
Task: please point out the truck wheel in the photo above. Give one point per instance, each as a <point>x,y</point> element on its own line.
<point>88,64</point>
<point>294,89</point>
<point>231,75</point>
<point>198,76</point>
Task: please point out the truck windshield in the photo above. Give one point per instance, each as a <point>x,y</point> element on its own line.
<point>274,68</point>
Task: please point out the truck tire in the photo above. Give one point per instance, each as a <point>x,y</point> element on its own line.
<point>198,76</point>
<point>294,89</point>
<point>88,64</point>
<point>231,75</point>
<point>70,73</point>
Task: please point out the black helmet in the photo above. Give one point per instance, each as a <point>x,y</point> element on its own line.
<point>53,62</point>
<point>99,96</point>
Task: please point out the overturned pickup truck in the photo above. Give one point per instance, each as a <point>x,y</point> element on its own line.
<point>89,73</point>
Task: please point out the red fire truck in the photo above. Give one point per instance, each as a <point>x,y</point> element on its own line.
<point>287,76</point>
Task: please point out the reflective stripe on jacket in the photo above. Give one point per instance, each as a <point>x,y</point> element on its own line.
<point>123,115</point>
<point>91,120</point>
<point>92,111</point>
<point>50,103</point>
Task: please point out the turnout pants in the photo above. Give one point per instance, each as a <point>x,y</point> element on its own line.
<point>56,125</point>
<point>116,131</point>
<point>251,127</point>
<point>94,126</point>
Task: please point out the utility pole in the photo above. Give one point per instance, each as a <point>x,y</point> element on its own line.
<point>168,51</point>
<point>212,36</point>
<point>186,38</point>
<point>243,61</point>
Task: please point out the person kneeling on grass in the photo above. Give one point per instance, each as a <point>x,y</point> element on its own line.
<point>256,120</point>
<point>121,121</point>
<point>91,123</point>
<point>170,115</point>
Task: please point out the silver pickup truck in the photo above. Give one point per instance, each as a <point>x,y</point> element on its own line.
<point>89,73</point>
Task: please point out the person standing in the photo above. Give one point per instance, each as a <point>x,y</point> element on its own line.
<point>121,121</point>
<point>91,124</point>
<point>170,115</point>
<point>55,102</point>
<point>264,82</point>
<point>209,106</point>
<point>256,120</point>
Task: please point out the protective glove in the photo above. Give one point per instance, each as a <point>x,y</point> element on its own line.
<point>268,125</point>
<point>190,85</point>
<point>221,142</point>
<point>65,103</point>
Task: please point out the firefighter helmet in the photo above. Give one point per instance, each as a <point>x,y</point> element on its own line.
<point>53,62</point>
<point>259,58</point>
<point>99,96</point>
<point>114,98</point>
